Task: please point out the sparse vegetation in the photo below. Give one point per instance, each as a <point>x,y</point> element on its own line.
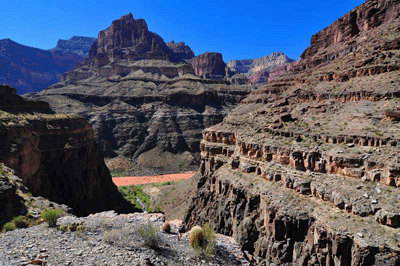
<point>202,240</point>
<point>117,237</point>
<point>20,221</point>
<point>8,227</point>
<point>72,227</point>
<point>149,234</point>
<point>50,216</point>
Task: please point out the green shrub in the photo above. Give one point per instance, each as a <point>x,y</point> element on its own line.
<point>50,216</point>
<point>203,240</point>
<point>197,239</point>
<point>20,222</point>
<point>9,227</point>
<point>149,234</point>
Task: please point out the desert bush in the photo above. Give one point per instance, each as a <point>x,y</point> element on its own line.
<point>50,216</point>
<point>73,227</point>
<point>197,239</point>
<point>149,234</point>
<point>9,226</point>
<point>166,227</point>
<point>117,237</point>
<point>202,240</point>
<point>20,222</point>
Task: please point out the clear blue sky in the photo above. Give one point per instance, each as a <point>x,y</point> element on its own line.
<point>237,29</point>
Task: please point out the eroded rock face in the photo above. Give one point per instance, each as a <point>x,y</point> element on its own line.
<point>180,51</point>
<point>56,157</point>
<point>362,19</point>
<point>209,65</point>
<point>305,171</point>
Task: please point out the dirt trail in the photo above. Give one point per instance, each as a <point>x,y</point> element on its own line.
<point>137,180</point>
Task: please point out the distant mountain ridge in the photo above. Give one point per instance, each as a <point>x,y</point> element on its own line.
<point>257,70</point>
<point>30,69</point>
<point>77,44</point>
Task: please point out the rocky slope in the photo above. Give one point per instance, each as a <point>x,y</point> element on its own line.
<point>143,101</point>
<point>55,155</point>
<point>77,44</point>
<point>264,69</point>
<point>109,239</point>
<point>305,171</point>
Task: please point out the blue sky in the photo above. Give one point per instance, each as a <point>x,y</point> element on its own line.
<point>237,29</point>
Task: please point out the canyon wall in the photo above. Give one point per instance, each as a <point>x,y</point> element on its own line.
<point>306,170</point>
<point>56,157</point>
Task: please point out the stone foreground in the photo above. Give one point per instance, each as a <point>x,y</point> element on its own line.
<point>108,239</point>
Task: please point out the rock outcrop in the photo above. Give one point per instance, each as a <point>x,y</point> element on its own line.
<point>180,51</point>
<point>209,66</point>
<point>15,199</point>
<point>306,170</point>
<point>31,69</point>
<point>264,69</point>
<point>141,103</point>
<point>55,155</point>
<point>78,45</point>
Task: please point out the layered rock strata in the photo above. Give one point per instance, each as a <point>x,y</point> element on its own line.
<point>56,157</point>
<point>305,171</point>
<point>262,70</point>
<point>143,99</point>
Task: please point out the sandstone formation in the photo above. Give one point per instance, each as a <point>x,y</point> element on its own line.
<point>209,66</point>
<point>78,45</point>
<point>31,69</point>
<point>264,69</point>
<point>55,155</point>
<point>306,170</point>
<point>143,101</point>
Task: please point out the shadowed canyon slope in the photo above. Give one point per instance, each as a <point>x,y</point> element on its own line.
<point>306,170</point>
<point>142,95</point>
<point>31,69</point>
<point>55,155</point>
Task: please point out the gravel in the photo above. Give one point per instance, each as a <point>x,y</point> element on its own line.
<point>109,239</point>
